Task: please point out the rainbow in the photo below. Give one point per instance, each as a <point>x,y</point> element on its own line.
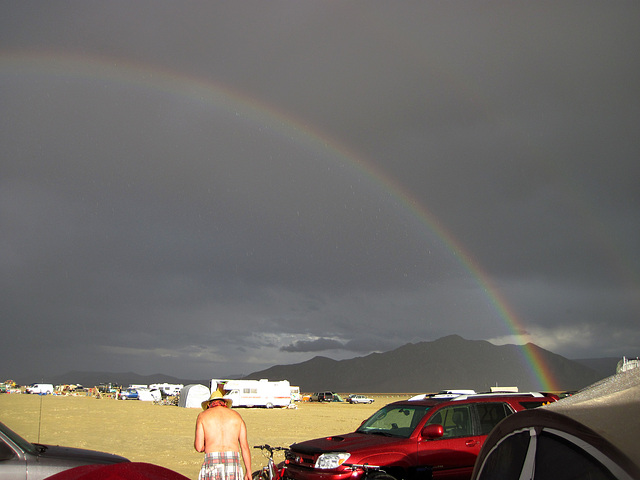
<point>282,123</point>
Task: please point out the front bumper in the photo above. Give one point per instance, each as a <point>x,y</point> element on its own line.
<point>294,472</point>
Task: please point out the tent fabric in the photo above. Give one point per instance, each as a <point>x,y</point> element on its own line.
<point>192,396</point>
<point>608,407</point>
<point>592,434</point>
<point>119,471</point>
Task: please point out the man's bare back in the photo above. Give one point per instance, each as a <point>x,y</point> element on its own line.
<point>218,429</point>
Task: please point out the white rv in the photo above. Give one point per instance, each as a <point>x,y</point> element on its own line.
<point>167,389</point>
<point>255,393</point>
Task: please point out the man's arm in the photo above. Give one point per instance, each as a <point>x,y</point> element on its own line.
<point>244,448</point>
<point>198,442</point>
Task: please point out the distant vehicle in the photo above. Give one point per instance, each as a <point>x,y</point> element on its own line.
<point>108,388</point>
<point>255,393</point>
<point>325,397</point>
<point>167,389</point>
<point>33,461</point>
<point>411,439</point>
<point>295,394</point>
<point>359,399</point>
<point>40,388</point>
<point>129,394</point>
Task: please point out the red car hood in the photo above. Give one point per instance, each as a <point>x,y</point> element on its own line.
<point>349,442</point>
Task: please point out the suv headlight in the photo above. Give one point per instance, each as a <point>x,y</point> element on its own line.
<point>331,460</point>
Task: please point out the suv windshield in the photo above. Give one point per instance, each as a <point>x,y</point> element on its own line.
<point>394,420</point>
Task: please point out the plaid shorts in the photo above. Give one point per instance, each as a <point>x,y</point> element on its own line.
<point>221,466</point>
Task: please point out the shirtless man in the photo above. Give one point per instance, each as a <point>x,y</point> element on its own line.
<point>219,432</point>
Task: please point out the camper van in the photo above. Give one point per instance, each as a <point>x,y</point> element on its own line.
<point>255,393</point>
<point>40,388</point>
<point>295,394</point>
<point>167,389</point>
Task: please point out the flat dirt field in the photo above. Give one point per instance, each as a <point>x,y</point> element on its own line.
<point>162,434</point>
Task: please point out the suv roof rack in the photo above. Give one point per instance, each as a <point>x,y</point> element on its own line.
<point>500,394</point>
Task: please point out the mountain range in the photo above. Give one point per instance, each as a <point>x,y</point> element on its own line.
<point>450,362</point>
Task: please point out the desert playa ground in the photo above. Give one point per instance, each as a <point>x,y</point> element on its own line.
<point>163,434</point>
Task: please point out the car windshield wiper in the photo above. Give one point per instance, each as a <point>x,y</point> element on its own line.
<point>380,432</point>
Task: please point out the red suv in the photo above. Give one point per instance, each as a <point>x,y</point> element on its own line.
<point>411,439</point>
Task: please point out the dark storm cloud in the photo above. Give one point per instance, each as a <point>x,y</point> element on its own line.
<point>374,175</point>
<point>364,343</point>
<point>318,345</point>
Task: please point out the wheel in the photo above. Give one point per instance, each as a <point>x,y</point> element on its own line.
<point>259,475</point>
<point>379,476</point>
<point>269,405</point>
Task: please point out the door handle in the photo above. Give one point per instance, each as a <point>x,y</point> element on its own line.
<point>471,443</point>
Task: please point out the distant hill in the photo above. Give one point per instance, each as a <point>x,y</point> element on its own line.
<point>447,363</point>
<point>450,362</point>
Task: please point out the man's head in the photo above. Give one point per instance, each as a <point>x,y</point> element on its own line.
<point>217,402</point>
<point>216,399</point>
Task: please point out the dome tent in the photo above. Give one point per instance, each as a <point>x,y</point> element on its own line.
<point>191,396</point>
<point>592,434</point>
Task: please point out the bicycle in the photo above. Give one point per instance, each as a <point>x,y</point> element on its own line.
<point>271,471</point>
<point>371,472</point>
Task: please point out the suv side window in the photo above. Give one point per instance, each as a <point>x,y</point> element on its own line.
<point>455,420</point>
<point>490,414</point>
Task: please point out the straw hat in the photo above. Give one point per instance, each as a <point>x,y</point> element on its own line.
<point>216,395</point>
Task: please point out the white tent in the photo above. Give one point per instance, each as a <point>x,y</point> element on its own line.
<point>149,395</point>
<point>592,434</point>
<point>191,396</point>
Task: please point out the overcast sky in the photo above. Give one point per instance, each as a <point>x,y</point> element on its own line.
<point>205,189</point>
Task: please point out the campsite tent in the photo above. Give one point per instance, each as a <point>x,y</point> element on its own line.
<point>193,395</point>
<point>592,434</point>
<point>149,395</point>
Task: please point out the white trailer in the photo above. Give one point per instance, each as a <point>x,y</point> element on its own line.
<point>255,393</point>
<point>167,389</point>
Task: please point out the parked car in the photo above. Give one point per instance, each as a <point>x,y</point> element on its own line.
<point>324,397</point>
<point>359,399</point>
<point>34,461</point>
<point>40,388</point>
<point>129,394</point>
<point>411,439</point>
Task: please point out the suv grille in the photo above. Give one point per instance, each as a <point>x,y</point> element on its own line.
<point>301,459</point>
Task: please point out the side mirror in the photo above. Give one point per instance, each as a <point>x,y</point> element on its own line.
<point>432,431</point>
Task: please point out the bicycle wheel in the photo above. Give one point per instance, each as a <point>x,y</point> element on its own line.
<point>259,475</point>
